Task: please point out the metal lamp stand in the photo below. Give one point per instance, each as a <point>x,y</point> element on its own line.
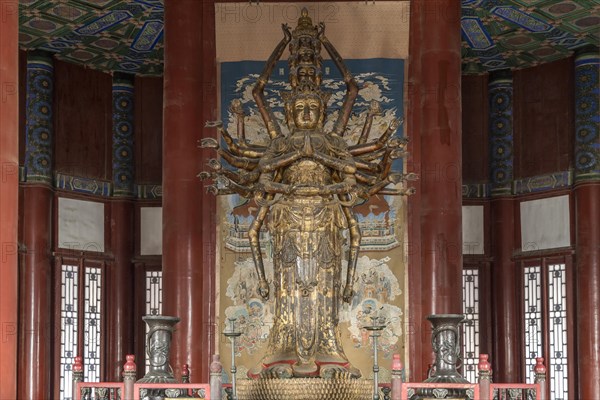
<point>377,326</point>
<point>232,335</point>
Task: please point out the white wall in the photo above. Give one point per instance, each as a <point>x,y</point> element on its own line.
<point>545,223</point>
<point>472,230</point>
<point>150,231</point>
<point>80,224</point>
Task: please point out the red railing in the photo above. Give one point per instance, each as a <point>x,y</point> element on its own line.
<point>514,391</point>
<point>190,390</point>
<point>129,389</point>
<point>99,390</point>
<point>483,390</point>
<point>440,390</point>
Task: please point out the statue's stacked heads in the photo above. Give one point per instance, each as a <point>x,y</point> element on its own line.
<point>305,55</point>
<point>305,65</point>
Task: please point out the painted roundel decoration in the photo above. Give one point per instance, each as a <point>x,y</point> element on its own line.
<point>501,101</point>
<point>501,135</point>
<point>39,125</point>
<point>123,135</point>
<point>587,117</point>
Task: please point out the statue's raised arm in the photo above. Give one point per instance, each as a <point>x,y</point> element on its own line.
<point>351,86</point>
<point>259,89</point>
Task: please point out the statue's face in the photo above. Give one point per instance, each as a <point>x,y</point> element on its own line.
<point>306,72</point>
<point>307,112</point>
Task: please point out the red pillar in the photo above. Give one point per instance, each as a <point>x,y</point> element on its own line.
<point>435,70</point>
<point>120,301</point>
<point>35,362</point>
<point>505,318</point>
<point>587,202</point>
<point>415,324</point>
<point>9,189</point>
<point>188,211</point>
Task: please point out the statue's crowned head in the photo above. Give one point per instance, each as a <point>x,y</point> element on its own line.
<point>305,105</point>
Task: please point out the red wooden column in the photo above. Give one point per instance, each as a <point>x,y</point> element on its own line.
<point>9,189</point>
<point>505,317</point>
<point>35,344</point>
<point>435,76</point>
<point>587,200</point>
<point>507,340</point>
<point>35,363</point>
<point>188,211</point>
<point>120,302</point>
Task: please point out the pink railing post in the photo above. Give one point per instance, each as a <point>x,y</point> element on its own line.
<point>77,369</point>
<point>485,377</point>
<point>185,373</point>
<point>540,376</point>
<point>129,376</point>
<point>396,377</point>
<point>216,369</point>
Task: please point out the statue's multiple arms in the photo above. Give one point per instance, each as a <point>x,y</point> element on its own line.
<point>351,86</point>
<point>258,91</point>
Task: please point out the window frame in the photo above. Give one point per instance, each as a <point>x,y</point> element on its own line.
<point>483,265</point>
<point>81,260</point>
<point>142,265</point>
<point>543,259</point>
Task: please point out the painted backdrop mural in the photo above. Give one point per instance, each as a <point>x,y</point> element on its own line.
<point>380,268</point>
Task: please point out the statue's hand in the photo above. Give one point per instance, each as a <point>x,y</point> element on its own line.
<point>215,164</point>
<point>307,150</point>
<point>395,124</point>
<point>321,30</point>
<point>348,293</point>
<point>286,32</point>
<point>204,175</point>
<point>213,124</point>
<point>263,289</point>
<point>212,189</point>
<point>397,153</point>
<point>209,143</point>
<point>395,177</point>
<point>398,142</point>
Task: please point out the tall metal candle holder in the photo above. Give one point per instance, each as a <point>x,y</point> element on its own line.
<point>232,335</point>
<point>378,324</point>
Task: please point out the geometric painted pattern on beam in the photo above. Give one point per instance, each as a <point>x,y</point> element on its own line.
<point>127,35</point>
<point>475,190</point>
<point>108,35</point>
<point>543,183</point>
<point>514,34</point>
<point>95,187</point>
<point>148,191</point>
<point>77,184</point>
<point>534,184</point>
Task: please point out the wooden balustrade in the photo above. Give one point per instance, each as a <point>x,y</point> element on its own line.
<point>174,390</point>
<point>396,390</point>
<point>99,391</point>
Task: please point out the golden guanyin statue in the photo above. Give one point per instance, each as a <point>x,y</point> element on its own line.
<point>305,184</point>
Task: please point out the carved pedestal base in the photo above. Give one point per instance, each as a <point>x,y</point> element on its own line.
<point>305,389</point>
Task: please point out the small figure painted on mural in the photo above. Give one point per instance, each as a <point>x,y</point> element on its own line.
<point>305,184</point>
